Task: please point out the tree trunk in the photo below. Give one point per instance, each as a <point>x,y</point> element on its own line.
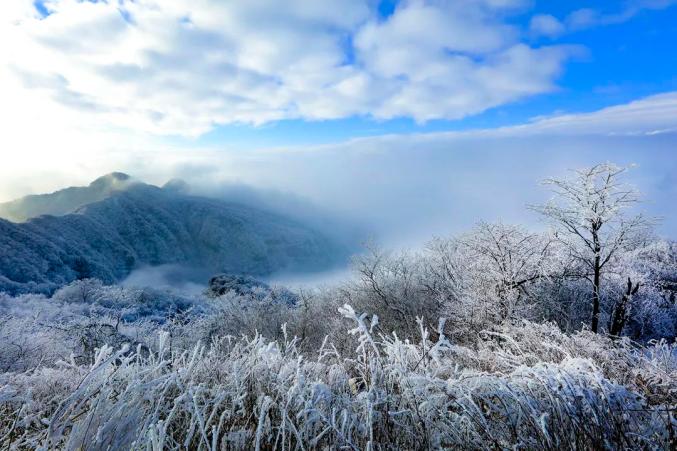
<point>595,295</point>
<point>620,312</point>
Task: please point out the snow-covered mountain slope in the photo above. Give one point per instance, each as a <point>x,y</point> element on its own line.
<point>142,224</point>
<point>66,200</point>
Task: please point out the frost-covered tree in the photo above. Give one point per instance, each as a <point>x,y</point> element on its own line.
<point>591,214</point>
<point>390,284</point>
<point>642,303</point>
<point>487,276</point>
<point>508,261</point>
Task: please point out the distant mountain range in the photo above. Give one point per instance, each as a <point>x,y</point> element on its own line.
<point>116,224</point>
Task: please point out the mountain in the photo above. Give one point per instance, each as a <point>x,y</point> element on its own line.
<point>116,224</point>
<point>66,200</point>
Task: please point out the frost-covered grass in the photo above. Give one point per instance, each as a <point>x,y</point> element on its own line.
<point>521,386</point>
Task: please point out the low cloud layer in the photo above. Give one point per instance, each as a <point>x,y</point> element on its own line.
<point>406,188</point>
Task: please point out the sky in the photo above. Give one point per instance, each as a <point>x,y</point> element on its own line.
<point>413,117</point>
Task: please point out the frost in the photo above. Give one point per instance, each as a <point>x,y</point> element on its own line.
<point>527,387</point>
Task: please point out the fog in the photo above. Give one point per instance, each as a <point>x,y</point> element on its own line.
<point>402,191</point>
<point>323,279</point>
<point>177,278</point>
<point>346,230</point>
<point>190,281</point>
<point>395,190</point>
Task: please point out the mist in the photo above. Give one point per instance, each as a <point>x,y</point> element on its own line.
<point>346,231</point>
<point>395,190</point>
<point>180,279</point>
<point>192,281</point>
<point>402,191</point>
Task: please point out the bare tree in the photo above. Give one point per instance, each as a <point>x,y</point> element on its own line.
<point>590,214</point>
<point>509,260</point>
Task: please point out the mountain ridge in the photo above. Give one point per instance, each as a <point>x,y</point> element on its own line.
<point>66,200</point>
<point>147,225</point>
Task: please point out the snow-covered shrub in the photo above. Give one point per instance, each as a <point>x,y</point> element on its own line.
<point>81,317</point>
<point>248,286</point>
<point>650,370</point>
<point>107,367</point>
<point>235,315</point>
<point>29,399</point>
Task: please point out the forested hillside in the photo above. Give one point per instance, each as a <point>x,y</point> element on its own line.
<point>146,225</point>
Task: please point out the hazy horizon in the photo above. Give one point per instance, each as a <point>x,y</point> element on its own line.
<point>402,195</point>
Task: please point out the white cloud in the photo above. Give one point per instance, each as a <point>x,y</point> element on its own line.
<point>182,67</point>
<point>651,115</point>
<point>588,17</point>
<point>546,25</point>
<point>583,18</point>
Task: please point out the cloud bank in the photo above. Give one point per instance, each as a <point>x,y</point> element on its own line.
<point>185,66</point>
<point>405,188</point>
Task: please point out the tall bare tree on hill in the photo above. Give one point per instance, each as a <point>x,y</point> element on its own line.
<point>592,217</point>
